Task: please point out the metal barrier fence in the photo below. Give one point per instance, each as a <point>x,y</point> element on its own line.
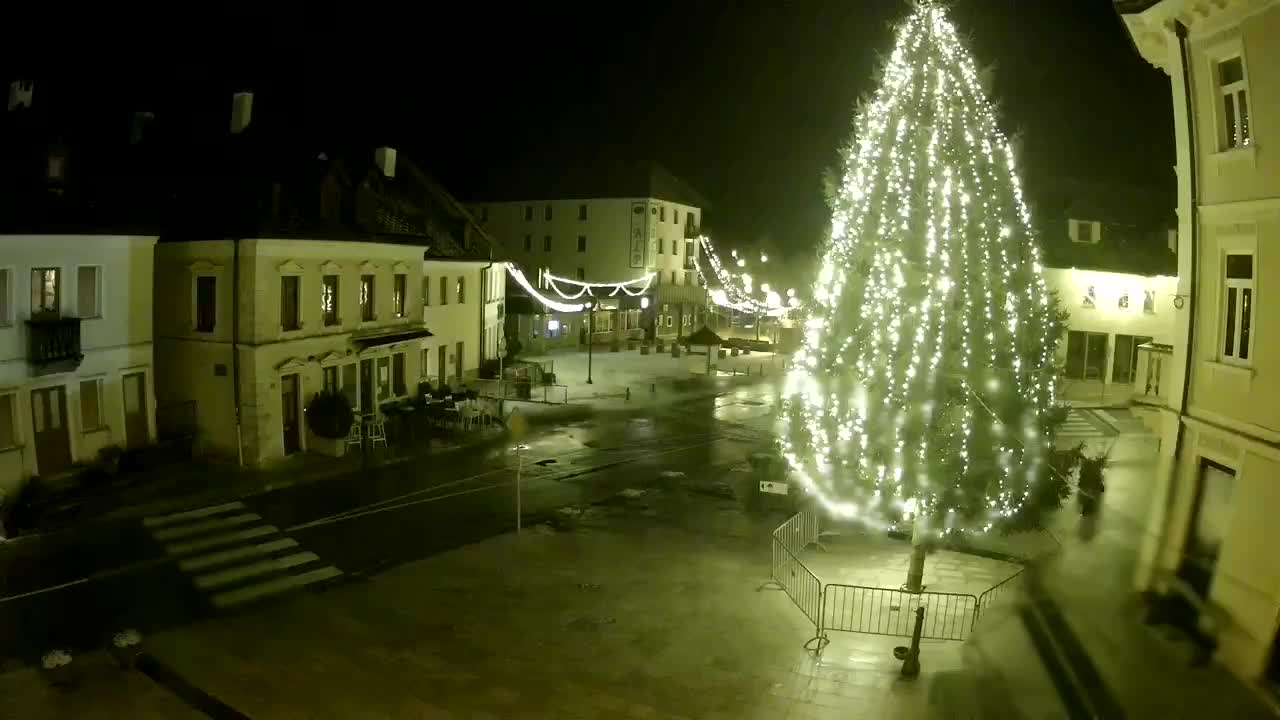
<point>511,390</point>
<point>1000,592</point>
<point>877,611</point>
<point>882,611</point>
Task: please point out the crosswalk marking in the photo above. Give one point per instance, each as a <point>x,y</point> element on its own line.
<point>1079,427</point>
<point>233,556</point>
<point>192,514</point>
<point>253,569</point>
<point>204,526</point>
<point>222,557</point>
<point>279,584</point>
<point>194,546</point>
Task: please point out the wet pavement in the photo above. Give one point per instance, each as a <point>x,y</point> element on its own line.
<point>75,588</point>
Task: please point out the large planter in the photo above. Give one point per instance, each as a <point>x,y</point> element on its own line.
<point>675,350</point>
<point>332,447</point>
<point>661,347</point>
<point>734,351</point>
<point>631,344</point>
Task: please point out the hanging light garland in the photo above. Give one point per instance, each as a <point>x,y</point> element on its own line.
<point>589,288</point>
<point>518,275</point>
<point>736,289</point>
<point>925,369</point>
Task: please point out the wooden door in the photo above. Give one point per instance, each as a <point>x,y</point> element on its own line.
<point>289,413</point>
<point>135,410</point>
<point>49,427</point>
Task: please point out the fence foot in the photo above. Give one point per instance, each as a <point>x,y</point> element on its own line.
<point>770,585</point>
<point>817,643</point>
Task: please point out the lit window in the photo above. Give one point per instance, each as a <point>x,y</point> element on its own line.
<point>366,298</point>
<point>398,291</point>
<point>329,299</point>
<point>290,318</point>
<point>91,404</point>
<point>1084,231</point>
<point>1235,103</point>
<point>45,291</point>
<point>462,289</point>
<point>1237,321</point>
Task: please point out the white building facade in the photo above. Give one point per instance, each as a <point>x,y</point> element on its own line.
<point>463,309</point>
<point>1212,529</point>
<point>311,315</point>
<point>76,370</point>
<point>603,240</point>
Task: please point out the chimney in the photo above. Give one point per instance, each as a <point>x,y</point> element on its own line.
<point>241,111</point>
<point>20,94</point>
<point>385,158</point>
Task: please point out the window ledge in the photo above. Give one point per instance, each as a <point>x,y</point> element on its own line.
<point>1248,153</point>
<point>10,448</point>
<point>96,430</point>
<point>1216,366</point>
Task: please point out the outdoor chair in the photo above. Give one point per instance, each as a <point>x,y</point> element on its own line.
<point>377,431</point>
<point>354,436</point>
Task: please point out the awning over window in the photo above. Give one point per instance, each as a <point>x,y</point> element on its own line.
<point>388,336</point>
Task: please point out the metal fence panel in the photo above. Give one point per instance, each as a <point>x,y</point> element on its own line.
<point>882,611</point>
<point>798,582</point>
<point>998,595</point>
<point>798,532</point>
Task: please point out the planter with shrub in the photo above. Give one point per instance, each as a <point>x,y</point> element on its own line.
<point>1091,486</point>
<point>330,417</point>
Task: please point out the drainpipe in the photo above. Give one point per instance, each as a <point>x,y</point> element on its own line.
<point>235,343</point>
<point>1180,31</point>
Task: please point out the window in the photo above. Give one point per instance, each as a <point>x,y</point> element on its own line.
<point>384,378</point>
<point>6,299</point>
<point>582,212</point>
<point>444,289</point>
<point>329,375</point>
<point>673,277</point>
<point>89,291</point>
<point>367,313</point>
<point>426,291</point>
<point>1149,302</point>
<point>90,404</point>
<point>546,213</point>
<point>528,242</point>
<point>528,213</point>
<point>582,243</point>
<point>675,248</point>
<point>661,244</point>
<point>546,244</point>
<point>289,319</point>
<point>45,290</point>
<point>329,299</point>
<point>398,291</point>
<point>350,387</point>
<point>206,302</point>
<point>462,289</point>
<point>1123,302</point>
<point>397,374</point>
<point>675,216</point>
<point>1084,231</point>
<point>1090,297</point>
<point>662,213</point>
<point>582,273</point>
<point>1238,308</point>
<point>8,423</point>
<point>423,370</point>
<point>1235,103</point>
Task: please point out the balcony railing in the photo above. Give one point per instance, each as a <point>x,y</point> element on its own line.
<point>691,232</point>
<point>1152,383</point>
<point>54,343</point>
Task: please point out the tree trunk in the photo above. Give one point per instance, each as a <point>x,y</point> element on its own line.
<point>915,572</point>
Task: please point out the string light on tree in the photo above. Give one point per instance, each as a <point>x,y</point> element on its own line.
<point>924,391</point>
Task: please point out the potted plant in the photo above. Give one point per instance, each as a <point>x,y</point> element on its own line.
<point>644,349</point>
<point>1091,485</point>
<point>56,665</point>
<point>330,417</point>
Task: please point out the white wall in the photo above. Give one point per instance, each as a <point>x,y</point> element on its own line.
<point>116,342</point>
<point>454,322</point>
<point>607,229</point>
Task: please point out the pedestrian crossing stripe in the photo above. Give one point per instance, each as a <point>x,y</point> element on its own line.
<point>233,556</point>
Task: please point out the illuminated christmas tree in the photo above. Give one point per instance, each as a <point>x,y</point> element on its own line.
<point>925,390</point>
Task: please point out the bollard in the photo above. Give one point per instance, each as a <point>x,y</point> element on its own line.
<point>653,388</point>
<point>911,663</point>
<point>628,392</point>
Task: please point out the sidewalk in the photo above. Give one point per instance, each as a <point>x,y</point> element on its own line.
<point>1145,669</point>
<point>649,607</point>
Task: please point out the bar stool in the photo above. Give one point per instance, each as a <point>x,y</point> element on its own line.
<point>377,431</point>
<point>354,434</point>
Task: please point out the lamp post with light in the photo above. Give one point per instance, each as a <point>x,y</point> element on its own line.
<point>591,332</point>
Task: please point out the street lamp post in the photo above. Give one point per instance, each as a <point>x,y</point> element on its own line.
<point>519,472</point>
<point>591,331</point>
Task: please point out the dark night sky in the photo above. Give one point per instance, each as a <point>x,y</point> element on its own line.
<point>748,101</point>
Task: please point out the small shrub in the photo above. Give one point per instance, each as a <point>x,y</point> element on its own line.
<point>329,415</point>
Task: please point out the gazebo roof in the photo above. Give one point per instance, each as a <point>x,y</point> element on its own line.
<point>704,336</point>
